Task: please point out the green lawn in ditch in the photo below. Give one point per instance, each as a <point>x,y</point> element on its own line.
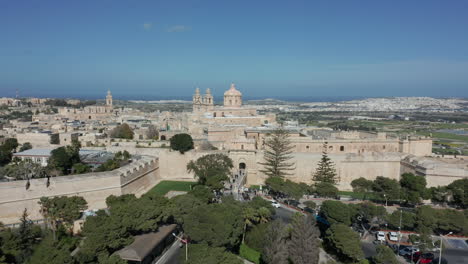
<point>165,186</point>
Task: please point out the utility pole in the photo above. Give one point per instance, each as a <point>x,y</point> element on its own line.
<point>184,241</point>
<point>399,233</point>
<point>440,251</point>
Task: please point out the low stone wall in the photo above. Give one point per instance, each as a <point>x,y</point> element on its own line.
<point>137,178</point>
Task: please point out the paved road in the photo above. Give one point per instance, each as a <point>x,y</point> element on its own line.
<point>172,254</point>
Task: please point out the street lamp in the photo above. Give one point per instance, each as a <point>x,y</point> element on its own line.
<point>399,233</point>
<point>385,196</point>
<point>184,241</point>
<point>440,251</point>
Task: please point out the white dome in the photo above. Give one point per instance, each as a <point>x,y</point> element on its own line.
<point>232,91</point>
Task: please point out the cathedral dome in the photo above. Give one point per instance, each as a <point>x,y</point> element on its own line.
<point>232,91</point>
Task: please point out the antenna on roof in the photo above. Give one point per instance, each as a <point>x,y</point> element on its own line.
<point>17,93</point>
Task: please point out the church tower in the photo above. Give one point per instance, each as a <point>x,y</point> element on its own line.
<point>109,99</point>
<point>197,101</point>
<point>208,100</point>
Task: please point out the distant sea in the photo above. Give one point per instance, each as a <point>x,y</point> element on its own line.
<point>153,97</point>
<point>217,98</point>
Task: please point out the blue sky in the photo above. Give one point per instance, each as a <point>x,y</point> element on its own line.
<point>268,48</point>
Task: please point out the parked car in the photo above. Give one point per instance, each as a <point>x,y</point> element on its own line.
<point>425,258</point>
<point>380,236</point>
<point>407,251</point>
<point>292,202</point>
<point>393,236</point>
<point>309,210</point>
<point>275,204</point>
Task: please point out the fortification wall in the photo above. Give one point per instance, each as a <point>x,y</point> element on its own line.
<point>137,177</point>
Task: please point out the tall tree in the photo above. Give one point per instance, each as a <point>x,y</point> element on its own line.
<point>275,250</point>
<point>345,241</point>
<point>211,170</point>
<point>325,171</point>
<point>122,131</point>
<point>386,188</point>
<point>277,154</point>
<point>62,209</point>
<point>413,188</point>
<point>336,212</point>
<point>458,189</point>
<point>218,225</point>
<point>153,132</point>
<point>304,244</point>
<point>384,256</point>
<point>26,238</point>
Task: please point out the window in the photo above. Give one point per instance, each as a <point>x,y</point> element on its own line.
<point>383,146</point>
<point>341,148</point>
<point>214,114</point>
<point>242,146</point>
<point>307,147</point>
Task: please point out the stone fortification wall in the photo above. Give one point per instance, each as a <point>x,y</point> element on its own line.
<point>137,177</point>
<point>438,172</point>
<point>348,166</point>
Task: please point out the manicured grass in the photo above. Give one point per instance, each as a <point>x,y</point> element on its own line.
<point>165,186</point>
<point>357,195</point>
<point>249,254</point>
<point>443,135</point>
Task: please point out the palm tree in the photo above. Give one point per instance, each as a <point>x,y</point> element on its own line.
<point>264,215</point>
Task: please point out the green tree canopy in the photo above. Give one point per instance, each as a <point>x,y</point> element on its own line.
<point>304,243</point>
<point>6,149</point>
<point>204,254</point>
<point>181,142</point>
<point>63,158</point>
<point>25,146</point>
<point>211,170</point>
<point>336,212</point>
<point>362,185</point>
<point>386,188</point>
<point>62,209</point>
<point>326,189</point>
<point>255,237</point>
<point>408,220</point>
<point>385,255</point>
<point>275,250</point>
<point>458,189</point>
<point>325,171</point>
<point>122,131</point>
<point>277,154</point>
<point>345,242</point>
<point>218,225</point>
<point>413,188</point>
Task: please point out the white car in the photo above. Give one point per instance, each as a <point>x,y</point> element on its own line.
<point>393,236</point>
<point>380,236</point>
<point>276,204</point>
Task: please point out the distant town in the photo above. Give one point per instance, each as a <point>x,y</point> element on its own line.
<point>77,164</point>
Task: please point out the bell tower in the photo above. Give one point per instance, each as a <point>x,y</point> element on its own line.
<point>197,101</point>
<point>208,100</point>
<point>109,98</point>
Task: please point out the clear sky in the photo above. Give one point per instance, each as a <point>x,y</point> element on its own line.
<point>268,48</point>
